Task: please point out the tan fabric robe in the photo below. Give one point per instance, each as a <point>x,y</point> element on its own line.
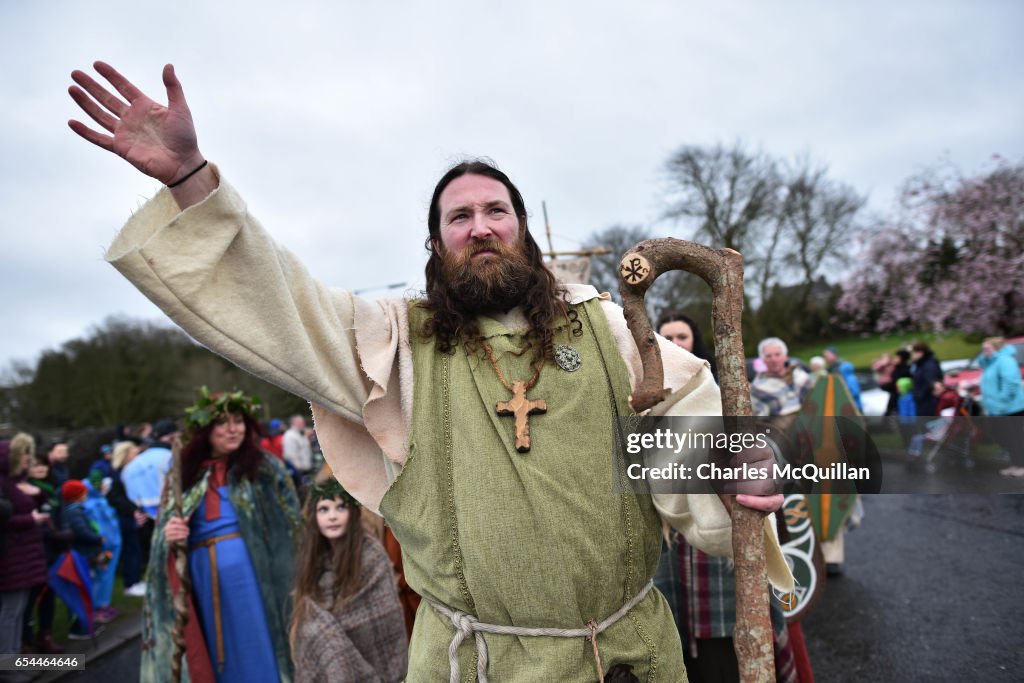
<point>218,274</point>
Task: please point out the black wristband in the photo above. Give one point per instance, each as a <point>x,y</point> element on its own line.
<point>197,169</point>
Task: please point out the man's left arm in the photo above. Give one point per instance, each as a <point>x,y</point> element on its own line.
<point>692,392</point>
<point>703,518</point>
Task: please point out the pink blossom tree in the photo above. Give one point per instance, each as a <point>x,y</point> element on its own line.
<point>953,260</point>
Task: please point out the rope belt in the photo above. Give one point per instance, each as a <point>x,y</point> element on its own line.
<point>211,543</point>
<point>466,625</point>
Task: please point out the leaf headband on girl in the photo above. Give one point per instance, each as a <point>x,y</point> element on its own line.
<point>210,407</point>
<point>330,490</point>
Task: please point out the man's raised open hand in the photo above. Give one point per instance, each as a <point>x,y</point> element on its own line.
<point>159,141</point>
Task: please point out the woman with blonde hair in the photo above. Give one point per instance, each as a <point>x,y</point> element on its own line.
<point>23,562</point>
<point>130,518</point>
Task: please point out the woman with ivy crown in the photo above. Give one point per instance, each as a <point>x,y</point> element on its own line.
<point>348,623</point>
<point>237,518</point>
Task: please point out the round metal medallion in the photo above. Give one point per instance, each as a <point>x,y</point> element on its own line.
<point>567,358</point>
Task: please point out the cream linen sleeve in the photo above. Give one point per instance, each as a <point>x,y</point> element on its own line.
<point>220,276</point>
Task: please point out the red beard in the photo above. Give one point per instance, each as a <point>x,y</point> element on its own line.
<point>490,283</point>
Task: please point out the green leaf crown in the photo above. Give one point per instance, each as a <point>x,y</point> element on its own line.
<point>211,407</point>
<point>331,489</point>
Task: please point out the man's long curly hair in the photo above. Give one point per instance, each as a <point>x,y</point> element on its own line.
<point>543,303</point>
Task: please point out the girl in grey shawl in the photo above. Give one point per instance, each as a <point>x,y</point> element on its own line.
<point>348,623</point>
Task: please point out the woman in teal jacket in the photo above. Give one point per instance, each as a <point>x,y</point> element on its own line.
<point>1003,397</point>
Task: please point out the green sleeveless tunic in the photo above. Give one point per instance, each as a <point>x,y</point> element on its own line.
<point>533,539</point>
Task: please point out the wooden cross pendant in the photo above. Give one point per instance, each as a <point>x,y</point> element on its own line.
<point>521,407</point>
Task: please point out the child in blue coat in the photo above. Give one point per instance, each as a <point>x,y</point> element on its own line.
<point>86,539</point>
<point>908,417</point>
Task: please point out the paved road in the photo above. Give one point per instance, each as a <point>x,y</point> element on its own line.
<point>932,591</point>
<point>113,657</point>
<point>951,475</point>
<point>120,665</point>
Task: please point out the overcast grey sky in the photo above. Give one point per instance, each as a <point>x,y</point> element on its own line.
<point>335,119</point>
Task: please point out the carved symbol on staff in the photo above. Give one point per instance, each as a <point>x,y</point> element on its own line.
<point>634,268</point>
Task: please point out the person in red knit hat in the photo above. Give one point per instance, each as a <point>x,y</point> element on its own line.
<point>86,538</point>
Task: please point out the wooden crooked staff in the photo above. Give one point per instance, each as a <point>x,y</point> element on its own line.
<point>722,269</point>
<point>180,568</point>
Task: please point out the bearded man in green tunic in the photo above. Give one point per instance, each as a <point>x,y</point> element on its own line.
<point>478,421</point>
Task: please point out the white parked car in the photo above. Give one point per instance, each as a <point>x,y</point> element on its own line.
<point>953,365</point>
<point>874,400</point>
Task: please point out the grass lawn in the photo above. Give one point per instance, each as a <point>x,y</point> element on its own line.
<point>862,351</point>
